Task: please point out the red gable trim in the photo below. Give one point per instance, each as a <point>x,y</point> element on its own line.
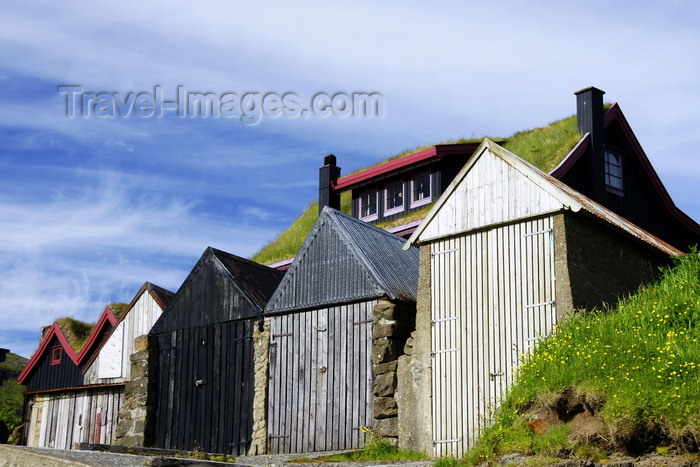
<point>614,113</point>
<point>404,163</point>
<point>107,319</point>
<point>54,331</point>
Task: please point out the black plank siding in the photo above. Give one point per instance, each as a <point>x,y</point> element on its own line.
<point>639,203</point>
<point>46,376</point>
<point>208,403</point>
<point>205,355</point>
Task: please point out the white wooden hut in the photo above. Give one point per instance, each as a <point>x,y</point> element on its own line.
<point>508,250</point>
<point>86,411</point>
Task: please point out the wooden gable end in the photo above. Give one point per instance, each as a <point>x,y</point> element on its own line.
<point>643,199</point>
<point>209,295</point>
<point>112,363</point>
<point>326,271</point>
<point>48,372</point>
<point>494,187</point>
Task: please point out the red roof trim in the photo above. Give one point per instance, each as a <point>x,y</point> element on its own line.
<point>54,331</point>
<point>107,318</point>
<point>422,157</point>
<point>614,113</point>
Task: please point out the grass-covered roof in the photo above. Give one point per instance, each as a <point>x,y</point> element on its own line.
<point>543,147</point>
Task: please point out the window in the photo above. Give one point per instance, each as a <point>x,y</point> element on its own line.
<point>613,172</point>
<point>394,199</point>
<point>368,206</point>
<point>56,354</point>
<point>420,190</point>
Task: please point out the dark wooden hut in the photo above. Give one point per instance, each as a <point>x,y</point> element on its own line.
<point>205,355</point>
<point>348,281</point>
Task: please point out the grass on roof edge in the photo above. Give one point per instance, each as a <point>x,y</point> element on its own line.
<point>287,243</point>
<point>543,147</point>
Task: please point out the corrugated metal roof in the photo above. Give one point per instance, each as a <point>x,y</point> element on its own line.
<point>345,260</point>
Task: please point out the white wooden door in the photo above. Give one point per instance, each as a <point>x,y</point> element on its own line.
<point>492,297</point>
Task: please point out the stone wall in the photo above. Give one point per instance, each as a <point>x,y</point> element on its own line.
<point>594,264</point>
<point>137,414</point>
<point>393,323</point>
<point>261,344</point>
<point>413,395</point>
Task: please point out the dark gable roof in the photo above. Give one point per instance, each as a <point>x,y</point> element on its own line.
<point>345,260</point>
<point>258,281</point>
<point>221,287</point>
<point>612,116</point>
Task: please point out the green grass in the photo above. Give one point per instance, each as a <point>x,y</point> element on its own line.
<point>543,147</point>
<point>11,398</point>
<point>377,448</point>
<point>547,146</point>
<point>641,359</point>
<point>76,332</point>
<point>287,243</point>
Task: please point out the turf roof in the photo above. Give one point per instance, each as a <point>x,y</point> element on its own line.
<point>544,147</point>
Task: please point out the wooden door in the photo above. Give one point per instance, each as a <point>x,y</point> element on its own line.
<point>492,297</point>
<point>320,390</point>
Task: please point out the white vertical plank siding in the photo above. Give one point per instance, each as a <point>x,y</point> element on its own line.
<point>321,383</point>
<point>113,364</point>
<point>492,192</point>
<point>492,297</point>
<point>68,418</point>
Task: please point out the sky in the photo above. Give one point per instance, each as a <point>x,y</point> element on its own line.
<point>93,205</point>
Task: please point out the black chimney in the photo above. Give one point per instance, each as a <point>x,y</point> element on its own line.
<point>329,173</point>
<point>589,115</point>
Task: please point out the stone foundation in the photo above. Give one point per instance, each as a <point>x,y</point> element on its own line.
<point>261,344</point>
<point>137,414</point>
<point>414,373</point>
<point>393,323</point>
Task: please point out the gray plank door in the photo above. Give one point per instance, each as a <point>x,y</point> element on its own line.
<point>321,383</point>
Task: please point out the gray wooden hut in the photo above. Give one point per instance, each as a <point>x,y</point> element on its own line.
<point>505,252</point>
<point>339,320</point>
<point>204,388</point>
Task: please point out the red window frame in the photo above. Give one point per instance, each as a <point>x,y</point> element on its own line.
<point>56,355</point>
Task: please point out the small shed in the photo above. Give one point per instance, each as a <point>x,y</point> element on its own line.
<point>53,380</point>
<point>505,252</point>
<point>204,389</point>
<point>339,318</point>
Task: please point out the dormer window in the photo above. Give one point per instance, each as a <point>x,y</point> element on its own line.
<point>420,190</point>
<point>613,172</point>
<point>56,355</point>
<point>394,199</point>
<point>368,206</point>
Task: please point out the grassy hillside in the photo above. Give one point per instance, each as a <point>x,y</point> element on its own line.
<point>544,147</point>
<point>11,398</point>
<point>625,379</point>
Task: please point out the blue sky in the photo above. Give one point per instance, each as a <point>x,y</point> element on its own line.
<point>91,207</point>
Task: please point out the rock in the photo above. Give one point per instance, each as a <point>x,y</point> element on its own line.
<point>385,407</point>
<point>387,427</point>
<point>388,367</point>
<point>385,350</point>
<point>385,384</point>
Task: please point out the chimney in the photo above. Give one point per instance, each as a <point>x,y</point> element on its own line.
<point>329,173</point>
<point>589,115</point>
